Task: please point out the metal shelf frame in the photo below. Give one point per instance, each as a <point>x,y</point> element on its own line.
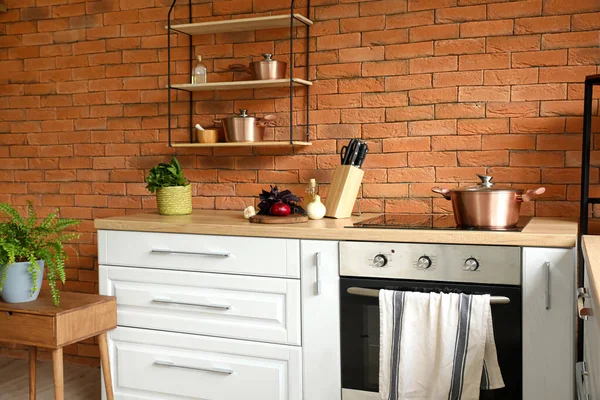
<point>585,201</point>
<point>295,20</point>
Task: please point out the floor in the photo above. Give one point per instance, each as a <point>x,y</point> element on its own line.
<point>81,383</point>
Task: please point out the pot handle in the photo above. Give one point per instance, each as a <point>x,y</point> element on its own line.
<point>218,121</point>
<point>530,194</point>
<point>443,192</point>
<point>238,68</point>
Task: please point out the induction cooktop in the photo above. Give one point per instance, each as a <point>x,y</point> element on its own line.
<point>427,221</point>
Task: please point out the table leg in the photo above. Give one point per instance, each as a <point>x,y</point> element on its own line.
<point>102,341</point>
<point>32,377</point>
<point>59,381</point>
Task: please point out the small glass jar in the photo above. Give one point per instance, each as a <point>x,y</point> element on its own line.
<point>199,72</point>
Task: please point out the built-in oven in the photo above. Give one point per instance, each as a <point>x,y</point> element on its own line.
<point>425,268</point>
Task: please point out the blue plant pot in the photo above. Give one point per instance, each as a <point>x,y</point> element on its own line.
<point>17,286</point>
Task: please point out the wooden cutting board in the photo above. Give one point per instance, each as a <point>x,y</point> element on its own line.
<point>272,219</point>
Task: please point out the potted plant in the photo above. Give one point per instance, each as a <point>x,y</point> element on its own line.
<point>173,191</point>
<point>26,247</point>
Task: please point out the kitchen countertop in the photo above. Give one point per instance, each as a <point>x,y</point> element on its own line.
<point>540,232</point>
<point>591,252</point>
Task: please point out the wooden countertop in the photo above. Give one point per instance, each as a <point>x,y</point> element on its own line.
<point>540,232</point>
<point>591,251</point>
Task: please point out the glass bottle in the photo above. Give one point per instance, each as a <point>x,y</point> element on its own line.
<point>199,72</point>
<point>311,192</point>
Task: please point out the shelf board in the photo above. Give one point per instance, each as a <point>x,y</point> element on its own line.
<point>272,83</point>
<point>279,143</point>
<point>243,24</point>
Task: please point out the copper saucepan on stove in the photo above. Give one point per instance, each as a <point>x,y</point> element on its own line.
<point>487,206</point>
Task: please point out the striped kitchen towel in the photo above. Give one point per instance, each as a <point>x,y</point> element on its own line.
<point>436,346</point>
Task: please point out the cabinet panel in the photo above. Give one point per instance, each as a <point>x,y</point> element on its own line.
<point>222,254</point>
<point>591,344</point>
<point>321,320</point>
<point>244,307</point>
<point>168,366</point>
<point>548,323</point>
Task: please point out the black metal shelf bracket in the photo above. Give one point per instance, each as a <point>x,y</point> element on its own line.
<point>191,58</point>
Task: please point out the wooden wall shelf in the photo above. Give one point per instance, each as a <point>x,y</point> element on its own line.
<point>276,143</point>
<point>272,83</point>
<point>241,25</point>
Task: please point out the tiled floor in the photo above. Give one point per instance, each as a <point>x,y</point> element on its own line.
<point>81,383</point>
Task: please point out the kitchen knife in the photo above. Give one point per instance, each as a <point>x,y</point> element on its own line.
<point>362,154</point>
<point>355,150</point>
<point>349,151</point>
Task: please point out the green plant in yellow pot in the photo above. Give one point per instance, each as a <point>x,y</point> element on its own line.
<point>173,191</point>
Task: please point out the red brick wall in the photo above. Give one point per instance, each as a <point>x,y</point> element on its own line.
<point>441,89</point>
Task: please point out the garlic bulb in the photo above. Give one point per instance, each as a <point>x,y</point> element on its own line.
<point>249,212</point>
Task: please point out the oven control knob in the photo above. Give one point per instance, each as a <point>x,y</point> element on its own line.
<point>423,262</point>
<point>471,264</point>
<point>380,261</point>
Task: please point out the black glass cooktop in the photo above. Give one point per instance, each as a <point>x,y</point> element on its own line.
<point>426,221</point>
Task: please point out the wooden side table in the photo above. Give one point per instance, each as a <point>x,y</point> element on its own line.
<point>40,324</point>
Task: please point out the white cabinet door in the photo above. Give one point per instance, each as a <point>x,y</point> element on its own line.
<point>548,323</point>
<point>234,306</point>
<point>153,365</point>
<point>591,344</point>
<point>320,320</point>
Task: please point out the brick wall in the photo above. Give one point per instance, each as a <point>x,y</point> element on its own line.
<point>441,89</point>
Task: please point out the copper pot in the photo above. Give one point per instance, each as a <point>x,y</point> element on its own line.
<point>486,207</point>
<point>266,69</point>
<point>244,128</point>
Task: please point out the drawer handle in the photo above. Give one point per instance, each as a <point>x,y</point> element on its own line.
<point>193,253</point>
<point>217,370</point>
<point>583,312</point>
<point>180,303</point>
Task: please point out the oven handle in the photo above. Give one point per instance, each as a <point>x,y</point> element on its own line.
<point>358,291</point>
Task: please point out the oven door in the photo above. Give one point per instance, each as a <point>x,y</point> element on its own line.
<point>360,334</point>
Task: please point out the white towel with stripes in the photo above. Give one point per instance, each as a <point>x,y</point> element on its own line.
<point>436,346</point>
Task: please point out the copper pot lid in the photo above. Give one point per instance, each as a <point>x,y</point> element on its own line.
<point>243,114</point>
<point>486,185</point>
<point>268,57</point>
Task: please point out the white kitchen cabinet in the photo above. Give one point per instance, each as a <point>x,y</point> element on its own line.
<point>233,306</point>
<point>548,323</point>
<point>170,366</point>
<point>204,253</point>
<point>321,320</point>
<point>222,317</point>
<point>588,371</point>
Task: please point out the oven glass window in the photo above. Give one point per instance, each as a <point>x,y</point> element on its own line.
<point>360,333</point>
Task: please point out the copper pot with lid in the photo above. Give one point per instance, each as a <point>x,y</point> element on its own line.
<point>487,206</point>
<point>244,128</point>
<point>265,69</point>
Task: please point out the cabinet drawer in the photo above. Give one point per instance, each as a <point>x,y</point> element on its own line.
<point>32,329</point>
<point>243,307</point>
<point>161,365</point>
<point>223,254</point>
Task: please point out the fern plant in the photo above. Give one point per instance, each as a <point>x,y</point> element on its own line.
<point>24,239</point>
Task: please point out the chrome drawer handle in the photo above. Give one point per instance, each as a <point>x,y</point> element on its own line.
<point>217,370</point>
<point>180,303</point>
<point>193,253</point>
<point>583,312</point>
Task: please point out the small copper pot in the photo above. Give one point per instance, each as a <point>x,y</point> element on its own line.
<point>266,69</point>
<point>485,207</point>
<point>245,128</point>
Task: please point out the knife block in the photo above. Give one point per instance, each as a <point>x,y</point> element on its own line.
<point>343,191</point>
